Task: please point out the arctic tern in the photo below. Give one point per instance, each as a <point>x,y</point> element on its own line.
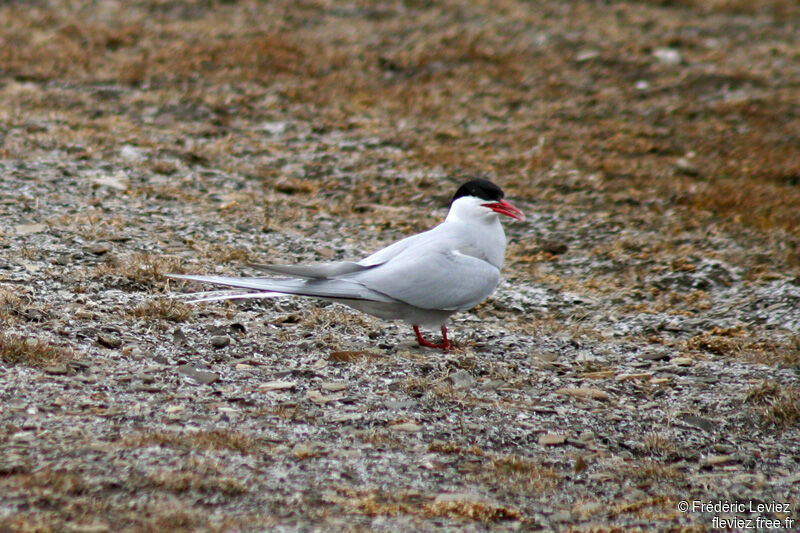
<point>422,279</point>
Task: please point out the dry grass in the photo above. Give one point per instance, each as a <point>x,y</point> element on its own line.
<point>161,308</point>
<point>645,470</point>
<point>183,481</point>
<point>375,502</point>
<point>202,440</point>
<point>17,350</point>
<point>774,404</point>
<point>519,472</point>
<point>743,345</point>
<point>143,270</point>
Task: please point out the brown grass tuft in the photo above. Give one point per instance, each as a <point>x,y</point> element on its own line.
<point>775,404</point>
<point>16,350</point>
<point>141,269</point>
<point>483,511</point>
<point>203,440</point>
<point>161,308</point>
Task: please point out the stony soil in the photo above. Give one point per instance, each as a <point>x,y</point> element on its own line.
<point>642,351</point>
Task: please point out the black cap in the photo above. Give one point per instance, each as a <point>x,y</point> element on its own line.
<point>480,188</point>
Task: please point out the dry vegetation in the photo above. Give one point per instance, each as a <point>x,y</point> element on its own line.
<point>648,321</point>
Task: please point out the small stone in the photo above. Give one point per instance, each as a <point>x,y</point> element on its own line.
<point>552,247</point>
<point>199,377</point>
<point>699,422</point>
<point>277,385</point>
<point>109,341</point>
<point>461,380</point>
<point>408,427</point>
<point>321,399</point>
<point>56,370</point>
<point>131,153</point>
<point>27,229</point>
<point>713,460</point>
<point>632,377</point>
<point>667,56</point>
<point>552,439</point>
<point>682,361</point>
<point>98,248</point>
<point>686,167</point>
<point>332,386</point>
<point>589,393</point>
<point>220,341</point>
<point>588,508</point>
<point>580,465</point>
<point>327,253</point>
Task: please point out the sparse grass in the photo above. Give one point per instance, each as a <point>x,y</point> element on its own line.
<point>659,444</point>
<point>141,269</point>
<point>438,446</point>
<point>161,308</point>
<point>775,404</point>
<point>742,345</point>
<point>203,440</point>
<point>648,470</point>
<point>18,350</point>
<point>183,481</point>
<point>519,472</point>
<point>375,502</point>
<point>11,306</point>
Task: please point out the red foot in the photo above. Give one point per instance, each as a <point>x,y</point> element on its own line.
<point>422,342</point>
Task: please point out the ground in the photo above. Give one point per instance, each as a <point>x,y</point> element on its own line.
<point>641,352</point>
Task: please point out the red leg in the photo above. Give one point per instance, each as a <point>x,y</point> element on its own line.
<point>422,342</point>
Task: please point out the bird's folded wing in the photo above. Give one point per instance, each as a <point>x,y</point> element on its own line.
<point>335,289</point>
<point>444,280</point>
<point>318,271</point>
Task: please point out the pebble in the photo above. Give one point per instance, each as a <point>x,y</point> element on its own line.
<point>57,370</point>
<point>408,427</point>
<point>333,386</point>
<point>27,229</point>
<point>590,393</point>
<point>461,380</point>
<point>109,341</point>
<point>200,377</point>
<point>552,439</point>
<point>682,361</point>
<point>98,248</point>
<point>277,385</point>
<point>220,341</point>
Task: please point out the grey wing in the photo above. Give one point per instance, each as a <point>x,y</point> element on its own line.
<point>445,280</point>
<point>335,289</point>
<point>318,271</point>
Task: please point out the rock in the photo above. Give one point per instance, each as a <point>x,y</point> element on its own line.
<point>552,439</point>
<point>331,386</point>
<point>631,377</point>
<point>98,248</point>
<point>699,422</point>
<point>408,427</point>
<point>56,370</point>
<point>220,341</point>
<point>714,460</point>
<point>131,153</point>
<point>682,361</point>
<point>321,399</point>
<point>667,56</point>
<point>109,341</point>
<point>199,377</point>
<point>27,229</point>
<point>461,380</point>
<point>589,393</point>
<point>277,385</point>
<point>552,247</point>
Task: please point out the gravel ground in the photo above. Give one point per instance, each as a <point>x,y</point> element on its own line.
<point>642,350</point>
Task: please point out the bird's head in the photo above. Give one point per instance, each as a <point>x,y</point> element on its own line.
<point>480,198</point>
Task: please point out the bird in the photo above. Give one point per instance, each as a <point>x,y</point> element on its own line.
<point>422,279</point>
